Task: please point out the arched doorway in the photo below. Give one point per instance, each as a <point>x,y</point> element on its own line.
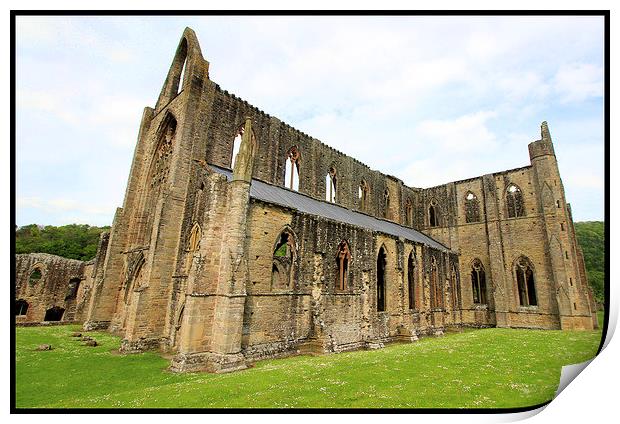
<point>54,314</point>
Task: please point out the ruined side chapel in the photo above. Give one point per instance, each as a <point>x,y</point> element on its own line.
<point>241,238</point>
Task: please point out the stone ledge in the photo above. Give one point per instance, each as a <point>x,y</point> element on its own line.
<point>208,361</point>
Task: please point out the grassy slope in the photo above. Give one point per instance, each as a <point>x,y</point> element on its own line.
<point>481,368</point>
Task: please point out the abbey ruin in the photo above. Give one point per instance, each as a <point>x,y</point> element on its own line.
<point>241,238</point>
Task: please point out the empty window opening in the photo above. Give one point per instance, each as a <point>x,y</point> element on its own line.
<point>330,185</point>
<point>478,282</point>
<point>235,149</point>
<point>561,226</point>
<point>472,208</point>
<point>182,76</point>
<point>284,254</point>
<point>566,254</point>
<point>514,202</point>
<point>381,267</point>
<point>570,280</point>
<point>557,202</point>
<point>54,314</point>
<point>362,194</point>
<point>291,172</point>
<point>21,307</point>
<point>574,306</point>
<point>160,165</point>
<point>35,276</point>
<point>72,290</point>
<point>436,300</point>
<point>433,216</point>
<point>408,213</point>
<point>411,271</point>
<point>525,282</point>
<point>386,203</point>
<point>343,258</point>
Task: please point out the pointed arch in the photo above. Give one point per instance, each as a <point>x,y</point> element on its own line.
<point>343,261</point>
<point>437,297</point>
<point>362,194</point>
<point>472,208</point>
<point>514,201</point>
<point>411,278</point>
<point>134,275</point>
<point>242,155</point>
<point>478,282</point>
<point>194,238</point>
<point>284,258</point>
<point>236,145</point>
<point>381,279</point>
<point>433,214</point>
<point>160,161</point>
<point>526,281</point>
<point>408,212</point>
<point>330,185</point>
<point>386,203</point>
<point>291,169</point>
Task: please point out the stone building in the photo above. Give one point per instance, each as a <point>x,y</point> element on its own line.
<point>242,238</point>
<point>51,288</point>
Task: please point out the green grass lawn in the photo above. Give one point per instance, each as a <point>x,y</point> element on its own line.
<point>490,368</point>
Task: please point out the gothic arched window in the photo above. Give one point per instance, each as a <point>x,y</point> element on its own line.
<point>330,185</point>
<point>411,272</point>
<point>291,171</point>
<point>408,213</point>
<point>433,214</point>
<point>284,254</point>
<point>526,284</point>
<point>343,259</point>
<point>381,280</point>
<point>363,195</point>
<point>478,282</point>
<point>160,165</point>
<point>435,286</point>
<point>386,203</point>
<point>514,202</point>
<point>235,147</point>
<point>472,208</point>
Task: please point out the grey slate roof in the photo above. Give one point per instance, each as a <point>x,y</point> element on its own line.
<point>291,199</point>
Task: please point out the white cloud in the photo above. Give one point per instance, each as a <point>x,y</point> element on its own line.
<point>61,205</point>
<point>576,82</point>
<point>465,133</point>
<point>429,100</point>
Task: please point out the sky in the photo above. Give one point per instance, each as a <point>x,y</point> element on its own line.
<point>427,99</point>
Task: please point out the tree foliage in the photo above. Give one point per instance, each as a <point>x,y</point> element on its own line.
<point>70,241</point>
<point>591,238</point>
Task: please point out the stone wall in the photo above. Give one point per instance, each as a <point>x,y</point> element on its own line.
<point>190,265</point>
<point>46,281</point>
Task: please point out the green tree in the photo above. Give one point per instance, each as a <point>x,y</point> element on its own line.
<point>70,241</point>
<point>591,238</point>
